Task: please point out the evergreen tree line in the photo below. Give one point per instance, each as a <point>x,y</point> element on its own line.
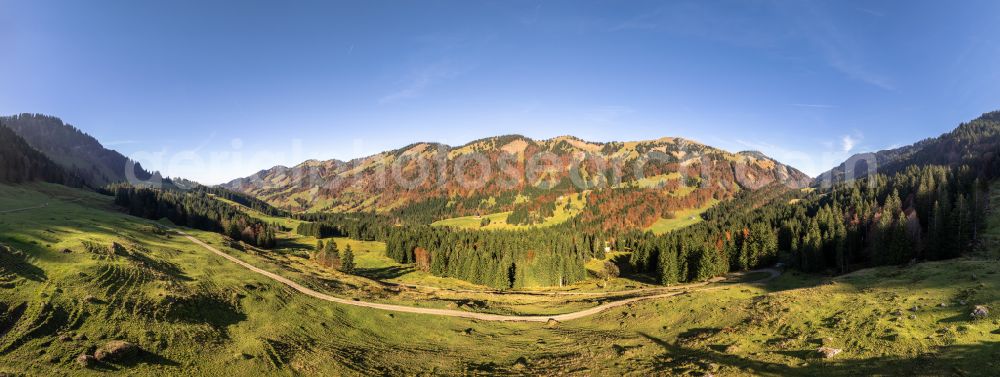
<point>499,259</point>
<point>328,254</point>
<point>244,200</point>
<point>535,213</point>
<point>358,225</point>
<point>442,207</point>
<point>921,213</point>
<point>196,210</point>
<point>19,163</point>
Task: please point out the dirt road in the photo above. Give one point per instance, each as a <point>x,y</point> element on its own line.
<point>40,206</point>
<point>448,312</point>
<point>24,209</point>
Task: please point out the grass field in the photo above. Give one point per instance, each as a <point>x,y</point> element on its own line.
<point>681,219</point>
<point>499,220</point>
<point>193,313</point>
<point>286,222</point>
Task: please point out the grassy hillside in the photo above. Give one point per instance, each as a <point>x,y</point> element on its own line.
<point>194,313</point>
<point>681,219</point>
<point>499,220</point>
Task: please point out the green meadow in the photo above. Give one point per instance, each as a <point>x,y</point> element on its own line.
<point>65,290</point>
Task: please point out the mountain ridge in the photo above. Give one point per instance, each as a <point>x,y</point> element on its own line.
<point>308,185</point>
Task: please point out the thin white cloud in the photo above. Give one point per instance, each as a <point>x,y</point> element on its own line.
<point>814,105</point>
<point>810,160</point>
<point>422,79</point>
<point>119,142</point>
<point>847,143</point>
<point>703,20</point>
<point>800,21</point>
<point>841,52</point>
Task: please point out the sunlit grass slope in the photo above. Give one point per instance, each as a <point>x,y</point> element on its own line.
<point>194,313</point>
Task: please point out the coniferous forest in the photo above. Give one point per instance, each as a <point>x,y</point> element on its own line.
<point>196,210</point>
<point>19,162</point>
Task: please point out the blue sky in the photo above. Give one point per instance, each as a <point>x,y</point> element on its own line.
<point>214,90</point>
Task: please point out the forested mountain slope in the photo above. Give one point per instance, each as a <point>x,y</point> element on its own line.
<point>974,143</point>
<point>74,150</point>
<point>19,162</point>
<point>927,201</point>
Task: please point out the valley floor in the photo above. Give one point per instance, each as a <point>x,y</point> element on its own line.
<point>193,312</point>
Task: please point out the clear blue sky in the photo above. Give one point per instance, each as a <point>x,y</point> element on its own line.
<point>806,82</point>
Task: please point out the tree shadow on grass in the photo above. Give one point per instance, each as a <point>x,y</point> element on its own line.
<point>160,266</point>
<point>149,358</point>
<point>292,243</point>
<point>627,272</point>
<point>142,358</point>
<point>384,273</point>
<point>13,261</point>
<point>958,318</point>
<point>967,360</point>
<point>207,308</point>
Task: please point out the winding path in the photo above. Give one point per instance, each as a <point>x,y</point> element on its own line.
<point>457,313</point>
<point>25,208</point>
<point>40,206</point>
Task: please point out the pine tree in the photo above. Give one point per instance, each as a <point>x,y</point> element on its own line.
<point>331,255</point>
<point>597,247</point>
<point>812,246</point>
<point>840,247</point>
<point>888,234</point>
<point>668,264</point>
<point>937,233</point>
<point>900,247</point>
<point>747,254</point>
<point>347,262</point>
<point>961,226</point>
<point>706,264</point>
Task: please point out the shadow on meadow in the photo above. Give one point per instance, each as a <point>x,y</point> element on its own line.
<point>384,273</point>
<point>965,360</point>
<point>15,262</point>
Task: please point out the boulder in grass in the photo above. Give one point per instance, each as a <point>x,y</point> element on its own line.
<point>980,312</point>
<point>828,352</point>
<point>116,351</point>
<point>521,363</point>
<point>85,360</point>
<point>732,349</point>
<point>552,323</point>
